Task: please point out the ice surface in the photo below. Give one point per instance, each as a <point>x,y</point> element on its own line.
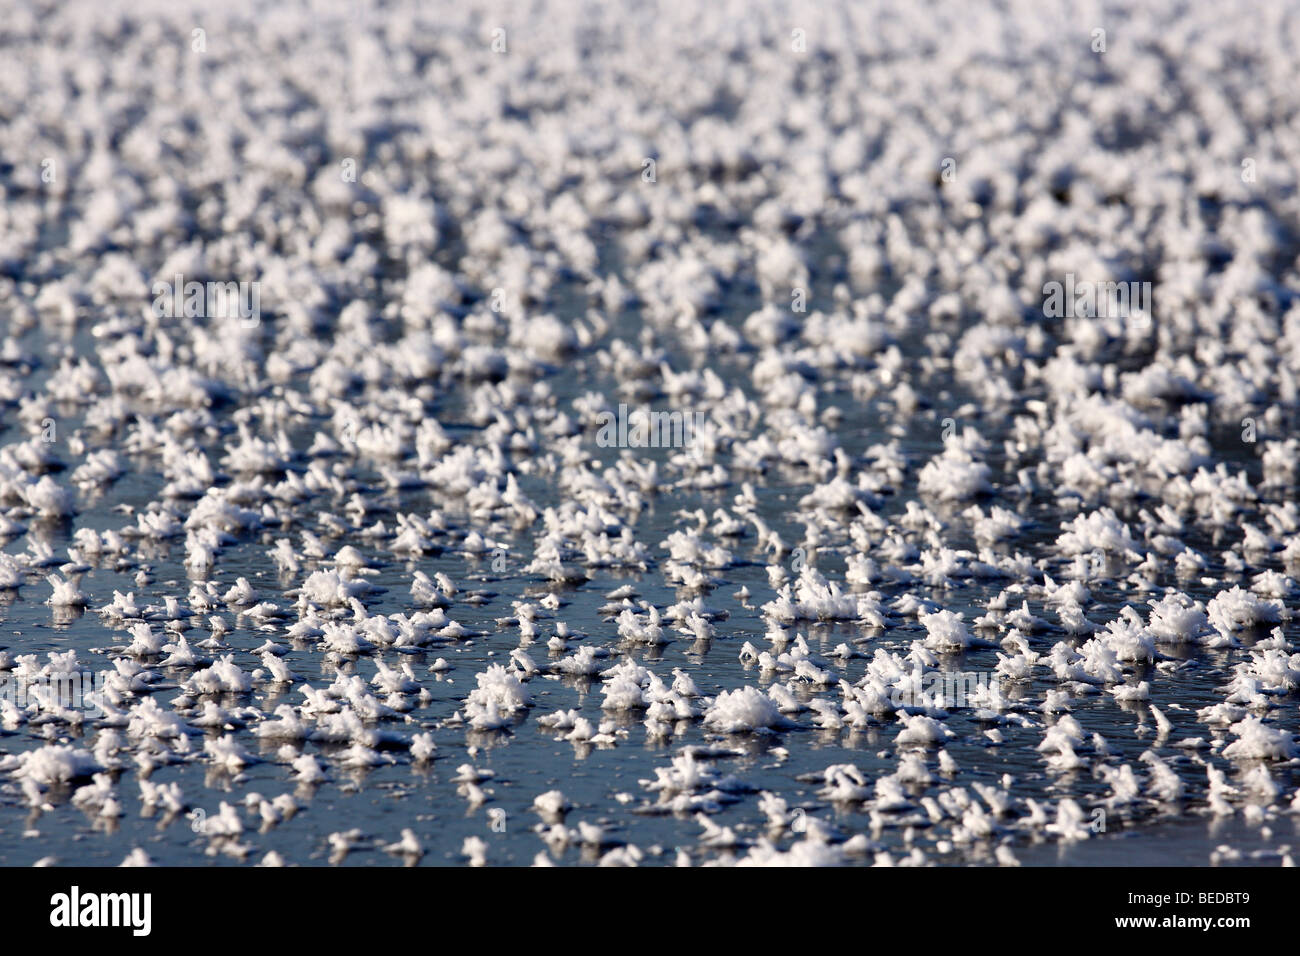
<point>668,416</point>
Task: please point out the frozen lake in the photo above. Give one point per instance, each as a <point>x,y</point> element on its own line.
<point>458,249</point>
